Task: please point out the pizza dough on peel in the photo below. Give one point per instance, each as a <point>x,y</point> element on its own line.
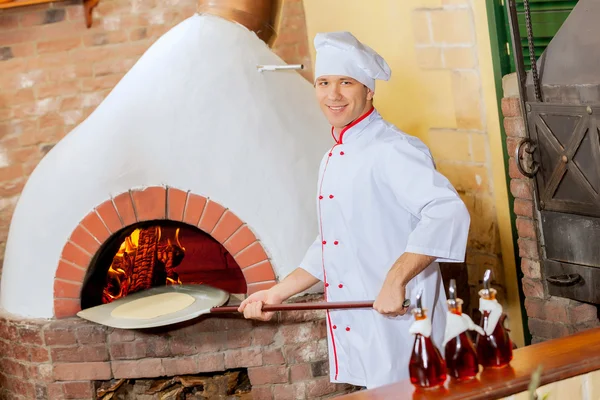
<point>153,306</point>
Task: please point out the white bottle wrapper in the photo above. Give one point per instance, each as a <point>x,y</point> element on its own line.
<point>457,324</point>
<point>495,310</point>
<point>421,327</point>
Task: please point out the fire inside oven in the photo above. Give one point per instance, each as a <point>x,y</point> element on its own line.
<point>158,253</point>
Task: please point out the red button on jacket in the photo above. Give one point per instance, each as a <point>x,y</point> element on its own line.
<point>340,286</point>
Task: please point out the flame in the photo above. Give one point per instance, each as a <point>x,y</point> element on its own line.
<point>126,275</point>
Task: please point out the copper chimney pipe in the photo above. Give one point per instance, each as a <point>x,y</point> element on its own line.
<point>259,16</point>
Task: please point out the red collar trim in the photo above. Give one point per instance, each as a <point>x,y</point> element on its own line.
<point>353,123</point>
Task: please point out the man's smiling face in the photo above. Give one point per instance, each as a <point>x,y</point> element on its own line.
<point>342,99</point>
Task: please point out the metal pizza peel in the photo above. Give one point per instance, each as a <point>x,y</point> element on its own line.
<point>207,300</point>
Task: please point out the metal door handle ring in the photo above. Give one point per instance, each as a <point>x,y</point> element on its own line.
<point>564,280</point>
<point>529,147</point>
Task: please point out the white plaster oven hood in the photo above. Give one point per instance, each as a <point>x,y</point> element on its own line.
<point>194,114</point>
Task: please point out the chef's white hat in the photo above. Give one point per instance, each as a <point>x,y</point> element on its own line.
<point>340,53</point>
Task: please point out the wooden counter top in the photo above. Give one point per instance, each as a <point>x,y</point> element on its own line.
<point>560,358</point>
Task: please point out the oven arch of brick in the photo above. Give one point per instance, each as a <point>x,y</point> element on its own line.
<point>156,203</point>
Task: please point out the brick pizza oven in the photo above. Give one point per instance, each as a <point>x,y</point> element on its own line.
<point>204,169</point>
<point>550,117</point>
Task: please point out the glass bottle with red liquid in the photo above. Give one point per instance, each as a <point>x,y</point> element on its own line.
<point>427,368</point>
<point>459,351</point>
<point>494,347</point>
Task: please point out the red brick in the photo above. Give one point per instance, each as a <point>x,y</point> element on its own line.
<point>20,353</point>
<point>56,89</point>
<point>44,373</point>
<point>268,374</point>
<point>55,391</point>
<point>251,255</point>
<point>121,335</point>
<point>180,366</point>
<point>301,316</point>
<point>526,228</point>
<point>79,390</point>
<point>194,209</point>
<point>552,310</point>
<point>546,329</point>
<point>158,346</point>
<point>257,287</point>
<point>43,17</point>
<point>6,349</point>
<point>534,307</point>
<point>58,45</point>
<point>524,208</point>
<point>30,335</point>
<point>24,388</point>
<point>511,107</point>
<point>320,387</point>
<point>521,189</point>
<point>303,352</point>
<point>528,248</point>
<point>91,335</point>
<point>240,240</point>
<point>511,145</point>
<point>262,392</point>
<point>246,357</point>
<point>582,313</point>
<point>14,368</point>
<point>124,206</point>
<point>264,335</point>
<point>273,357</point>
<point>39,355</point>
<point>82,371</point>
<point>80,354</point>
<point>59,337</point>
<point>299,333</point>
<point>66,289</point>
<point>150,203</point>
<point>146,368</point>
<point>289,392</point>
<point>300,372</point>
<point>259,273</point>
<point>533,288</point>
<point>514,127</point>
<point>236,339</point>
<point>227,225</point>
<point>128,350</point>
<point>94,225</point>
<point>108,214</point>
<point>176,200</point>
<point>9,21</point>
<point>513,171</point>
<point>103,38</point>
<point>531,268</point>
<point>211,215</point>
<point>211,362</point>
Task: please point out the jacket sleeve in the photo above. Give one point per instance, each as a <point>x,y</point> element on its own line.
<point>442,219</point>
<point>313,259</point>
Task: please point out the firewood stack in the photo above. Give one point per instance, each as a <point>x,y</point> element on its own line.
<point>149,262</point>
<point>228,385</point>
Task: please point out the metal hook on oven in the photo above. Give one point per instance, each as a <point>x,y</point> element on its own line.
<point>529,146</point>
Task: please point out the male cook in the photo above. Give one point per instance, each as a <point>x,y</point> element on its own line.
<point>386,218</point>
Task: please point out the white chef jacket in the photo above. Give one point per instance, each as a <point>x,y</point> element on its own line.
<point>379,196</point>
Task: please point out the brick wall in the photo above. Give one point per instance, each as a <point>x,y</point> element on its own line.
<point>54,71</point>
<point>549,317</point>
<point>445,44</point>
<point>60,359</point>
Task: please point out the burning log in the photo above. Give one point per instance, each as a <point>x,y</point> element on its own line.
<point>143,261</point>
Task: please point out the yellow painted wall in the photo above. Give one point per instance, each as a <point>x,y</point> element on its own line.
<point>442,90</point>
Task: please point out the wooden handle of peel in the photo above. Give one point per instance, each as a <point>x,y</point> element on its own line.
<point>305,306</point>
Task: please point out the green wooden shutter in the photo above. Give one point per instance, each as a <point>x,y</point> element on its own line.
<point>547,16</point>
